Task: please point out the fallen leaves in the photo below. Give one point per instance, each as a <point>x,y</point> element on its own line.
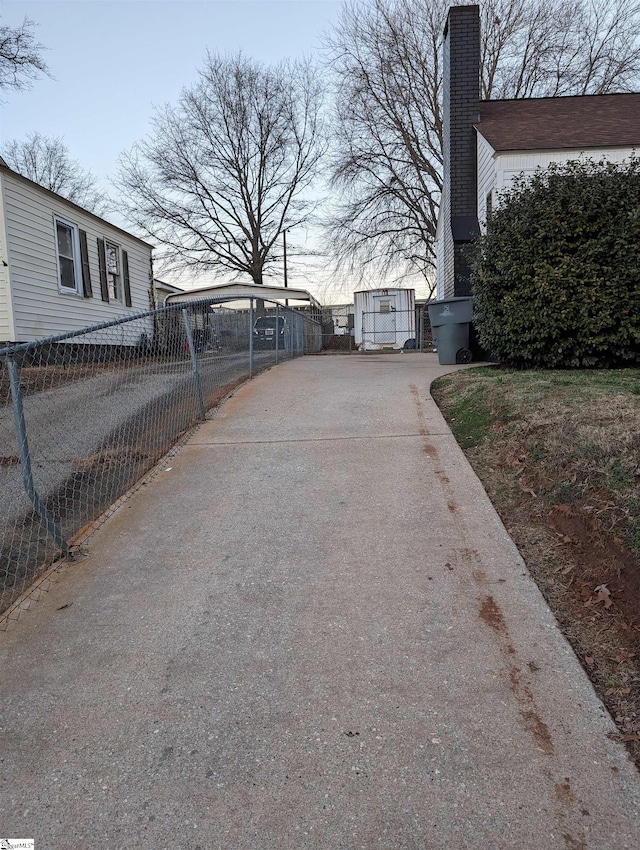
<point>518,464</point>
<point>625,655</point>
<point>604,595</point>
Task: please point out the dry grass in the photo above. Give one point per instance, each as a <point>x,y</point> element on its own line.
<point>35,379</point>
<point>559,455</point>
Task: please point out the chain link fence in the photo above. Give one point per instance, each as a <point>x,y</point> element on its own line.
<point>338,328</point>
<point>396,329</point>
<point>83,416</point>
<point>377,331</point>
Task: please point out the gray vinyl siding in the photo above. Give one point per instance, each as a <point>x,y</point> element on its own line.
<point>39,308</point>
<point>444,248</point>
<point>5,334</point>
<point>5,314</point>
<point>486,177</point>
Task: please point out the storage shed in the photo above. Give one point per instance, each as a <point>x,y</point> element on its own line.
<point>384,318</point>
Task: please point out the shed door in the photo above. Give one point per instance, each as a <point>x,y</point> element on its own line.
<point>384,319</point>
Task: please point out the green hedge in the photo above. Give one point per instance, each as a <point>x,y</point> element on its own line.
<point>556,278</point>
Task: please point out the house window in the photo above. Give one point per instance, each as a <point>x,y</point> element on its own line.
<point>113,264</point>
<point>489,204</point>
<point>114,277</point>
<point>385,306</point>
<point>68,253</point>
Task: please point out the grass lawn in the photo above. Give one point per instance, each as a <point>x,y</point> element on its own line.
<point>559,455</point>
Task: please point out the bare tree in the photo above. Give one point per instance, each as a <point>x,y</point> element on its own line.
<point>533,48</point>
<point>229,168</point>
<point>388,161</point>
<point>20,56</point>
<point>386,55</point>
<point>46,160</point>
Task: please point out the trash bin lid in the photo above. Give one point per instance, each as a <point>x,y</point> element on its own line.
<point>453,298</point>
<point>450,311</point>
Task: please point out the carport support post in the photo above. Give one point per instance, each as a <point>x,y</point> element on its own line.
<point>251,337</point>
<point>277,329</point>
<point>194,363</point>
<point>25,459</point>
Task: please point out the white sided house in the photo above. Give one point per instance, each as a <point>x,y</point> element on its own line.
<point>517,137</point>
<point>486,144</point>
<point>384,318</point>
<point>63,268</point>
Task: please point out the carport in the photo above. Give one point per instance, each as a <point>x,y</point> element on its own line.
<point>301,298</point>
<point>259,302</point>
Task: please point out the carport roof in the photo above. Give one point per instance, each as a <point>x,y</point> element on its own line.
<point>243,290</point>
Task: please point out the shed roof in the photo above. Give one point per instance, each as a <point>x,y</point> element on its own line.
<point>170,288</point>
<point>558,123</point>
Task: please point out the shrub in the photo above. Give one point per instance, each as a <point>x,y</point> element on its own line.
<point>556,278</point>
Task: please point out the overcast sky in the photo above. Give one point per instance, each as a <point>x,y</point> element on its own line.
<point>113,60</point>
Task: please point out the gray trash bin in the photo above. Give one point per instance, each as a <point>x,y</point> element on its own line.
<point>450,319</point>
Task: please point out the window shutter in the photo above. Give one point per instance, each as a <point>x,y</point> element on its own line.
<point>125,274</point>
<point>102,264</point>
<point>84,259</point>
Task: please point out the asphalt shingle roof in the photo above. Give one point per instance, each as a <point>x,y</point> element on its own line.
<point>556,123</point>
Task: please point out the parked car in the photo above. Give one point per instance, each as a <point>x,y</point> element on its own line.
<point>264,332</point>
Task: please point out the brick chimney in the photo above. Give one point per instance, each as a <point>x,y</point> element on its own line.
<point>461,104</point>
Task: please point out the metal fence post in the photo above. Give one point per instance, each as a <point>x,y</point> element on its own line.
<point>277,329</point>
<point>251,337</point>
<point>194,363</point>
<point>25,459</point>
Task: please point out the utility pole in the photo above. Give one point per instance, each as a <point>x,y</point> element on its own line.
<point>284,240</point>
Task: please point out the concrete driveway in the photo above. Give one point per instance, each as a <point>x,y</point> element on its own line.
<point>312,631</point>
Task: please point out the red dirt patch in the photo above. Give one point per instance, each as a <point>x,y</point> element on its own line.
<point>539,730</point>
<point>564,792</point>
<point>492,615</point>
<point>602,561</point>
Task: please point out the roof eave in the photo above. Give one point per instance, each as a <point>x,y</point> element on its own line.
<point>4,168</point>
